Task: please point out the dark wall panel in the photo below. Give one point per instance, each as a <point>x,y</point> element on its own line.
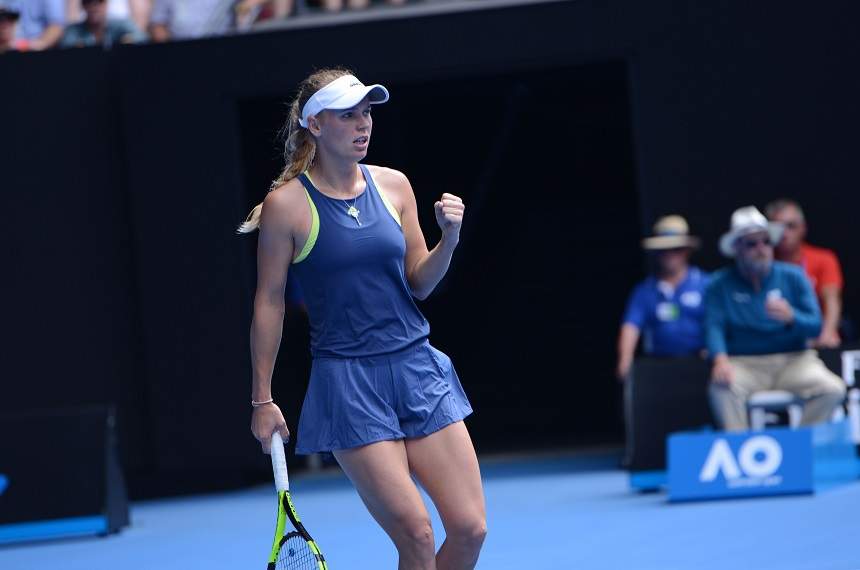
<point>68,294</point>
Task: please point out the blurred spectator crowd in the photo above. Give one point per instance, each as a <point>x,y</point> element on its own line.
<point>35,25</point>
<point>758,321</point>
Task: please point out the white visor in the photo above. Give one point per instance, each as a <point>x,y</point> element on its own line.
<point>343,93</point>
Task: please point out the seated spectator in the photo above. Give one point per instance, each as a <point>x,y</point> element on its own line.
<point>187,19</point>
<point>667,307</point>
<point>250,12</point>
<point>759,315</point>
<point>98,29</point>
<point>41,24</point>
<point>135,10</point>
<point>9,15</point>
<point>821,266</point>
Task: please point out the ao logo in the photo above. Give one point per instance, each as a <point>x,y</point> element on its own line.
<point>758,458</point>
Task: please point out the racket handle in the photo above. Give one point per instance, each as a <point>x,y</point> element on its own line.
<point>279,463</point>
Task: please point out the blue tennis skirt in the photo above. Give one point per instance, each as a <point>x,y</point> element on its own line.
<point>351,402</point>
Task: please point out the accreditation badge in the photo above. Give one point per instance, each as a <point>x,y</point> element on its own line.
<point>668,311</point>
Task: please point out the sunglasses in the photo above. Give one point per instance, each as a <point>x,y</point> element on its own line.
<point>752,243</point>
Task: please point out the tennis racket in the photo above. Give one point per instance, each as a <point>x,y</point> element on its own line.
<point>293,550</point>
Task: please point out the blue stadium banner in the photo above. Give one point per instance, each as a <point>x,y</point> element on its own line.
<point>720,465</point>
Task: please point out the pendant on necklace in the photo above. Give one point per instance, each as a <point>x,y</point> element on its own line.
<point>353,211</point>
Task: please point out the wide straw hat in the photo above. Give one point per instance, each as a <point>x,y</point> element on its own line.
<point>745,221</point>
<point>670,232</point>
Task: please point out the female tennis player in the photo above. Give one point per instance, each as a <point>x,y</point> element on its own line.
<point>381,399</point>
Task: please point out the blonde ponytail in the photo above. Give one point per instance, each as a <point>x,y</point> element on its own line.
<point>300,146</point>
<point>252,222</point>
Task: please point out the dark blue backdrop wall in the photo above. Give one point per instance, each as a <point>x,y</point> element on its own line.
<point>567,127</point>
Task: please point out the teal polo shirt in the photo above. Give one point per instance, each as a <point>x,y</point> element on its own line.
<point>736,322</point>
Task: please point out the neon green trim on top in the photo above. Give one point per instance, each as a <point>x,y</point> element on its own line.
<point>315,230</point>
<point>388,205</point>
<point>315,217</point>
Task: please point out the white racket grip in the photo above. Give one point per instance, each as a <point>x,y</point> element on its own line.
<point>279,463</point>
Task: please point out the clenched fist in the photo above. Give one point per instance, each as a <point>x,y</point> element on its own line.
<point>449,215</point>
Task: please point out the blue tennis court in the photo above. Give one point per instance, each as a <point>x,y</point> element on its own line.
<point>544,512</point>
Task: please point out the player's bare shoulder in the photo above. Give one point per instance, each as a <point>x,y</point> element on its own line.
<point>389,177</point>
<point>394,183</point>
<point>285,208</point>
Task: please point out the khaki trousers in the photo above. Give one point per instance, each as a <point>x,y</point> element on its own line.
<point>801,373</point>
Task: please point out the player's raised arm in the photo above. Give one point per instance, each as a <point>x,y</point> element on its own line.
<point>424,269</point>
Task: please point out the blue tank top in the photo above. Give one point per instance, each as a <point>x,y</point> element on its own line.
<point>352,275</point>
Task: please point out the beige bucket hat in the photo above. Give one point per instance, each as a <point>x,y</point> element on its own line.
<point>670,232</point>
